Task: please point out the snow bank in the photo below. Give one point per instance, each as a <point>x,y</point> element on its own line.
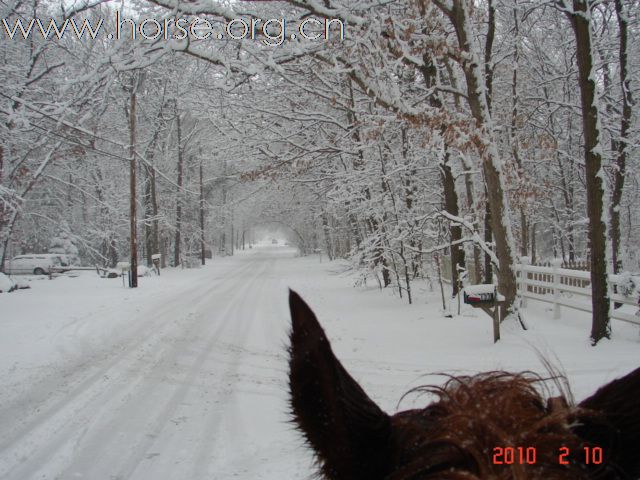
<point>6,284</point>
<point>186,376</point>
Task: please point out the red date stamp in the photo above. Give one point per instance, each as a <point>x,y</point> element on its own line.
<point>528,455</point>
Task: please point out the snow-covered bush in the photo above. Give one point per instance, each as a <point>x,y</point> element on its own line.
<point>64,245</point>
<point>626,284</point>
<point>6,284</point>
<point>144,271</point>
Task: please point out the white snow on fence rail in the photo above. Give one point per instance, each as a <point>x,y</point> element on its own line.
<point>572,289</point>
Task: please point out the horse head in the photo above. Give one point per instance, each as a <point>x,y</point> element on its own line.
<point>490,425</point>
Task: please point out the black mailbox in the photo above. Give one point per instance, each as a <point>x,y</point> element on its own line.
<point>479,294</point>
<point>485,297</point>
<point>472,298</point>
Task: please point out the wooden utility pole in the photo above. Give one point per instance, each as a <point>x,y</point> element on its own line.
<point>177,240</point>
<point>202,249</point>
<point>133,274</point>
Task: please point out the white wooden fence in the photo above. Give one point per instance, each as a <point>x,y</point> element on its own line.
<point>568,288</point>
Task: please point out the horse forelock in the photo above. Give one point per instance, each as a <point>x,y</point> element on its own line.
<point>457,435</point>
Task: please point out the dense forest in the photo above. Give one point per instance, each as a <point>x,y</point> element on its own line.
<point>407,136</point>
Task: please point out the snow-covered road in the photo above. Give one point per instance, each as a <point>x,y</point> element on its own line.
<point>184,378</point>
<point>193,389</point>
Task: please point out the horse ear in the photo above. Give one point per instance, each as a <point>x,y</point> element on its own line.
<point>347,430</point>
<point>616,424</point>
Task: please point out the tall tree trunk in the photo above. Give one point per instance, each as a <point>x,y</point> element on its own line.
<point>477,262</point>
<point>513,138</point>
<point>488,49</point>
<point>232,229</point>
<point>148,216</point>
<point>150,199</point>
<point>410,190</point>
<point>580,19</point>
<point>150,209</point>
<point>429,73</point>
<point>327,235</point>
<point>112,253</point>
<point>4,213</point>
<point>468,183</point>
<point>533,243</point>
<point>223,226</point>
<point>567,193</point>
<point>492,164</point>
<point>488,239</point>
<point>358,164</point>
<point>455,230</point>
<point>621,142</point>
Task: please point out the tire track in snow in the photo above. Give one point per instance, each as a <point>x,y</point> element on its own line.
<point>231,322</point>
<point>60,425</point>
<point>210,432</point>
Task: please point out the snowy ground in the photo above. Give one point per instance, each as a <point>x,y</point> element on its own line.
<point>185,377</point>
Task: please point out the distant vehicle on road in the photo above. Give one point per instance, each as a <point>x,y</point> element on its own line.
<point>35,263</point>
<point>274,241</point>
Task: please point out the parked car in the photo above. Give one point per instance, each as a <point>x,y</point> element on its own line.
<point>33,263</point>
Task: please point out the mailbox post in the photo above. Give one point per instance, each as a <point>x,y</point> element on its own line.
<point>124,267</point>
<point>484,297</point>
<point>155,258</point>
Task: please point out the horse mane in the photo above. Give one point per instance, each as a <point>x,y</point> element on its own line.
<point>465,432</point>
<point>478,413</point>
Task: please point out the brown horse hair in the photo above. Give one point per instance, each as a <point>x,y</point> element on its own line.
<point>472,428</point>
